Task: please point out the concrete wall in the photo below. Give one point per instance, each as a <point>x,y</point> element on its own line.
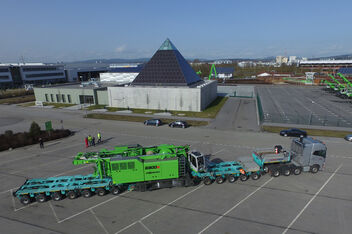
<point>39,94</point>
<point>237,91</point>
<point>161,98</point>
<point>102,97</point>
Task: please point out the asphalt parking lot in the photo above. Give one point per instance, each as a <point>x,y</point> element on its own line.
<point>304,105</point>
<point>307,203</point>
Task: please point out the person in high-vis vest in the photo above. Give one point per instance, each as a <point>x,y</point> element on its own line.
<point>99,137</point>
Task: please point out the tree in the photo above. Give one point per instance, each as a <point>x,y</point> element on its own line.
<point>34,130</point>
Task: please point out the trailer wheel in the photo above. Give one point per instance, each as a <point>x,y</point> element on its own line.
<point>40,198</point>
<point>314,169</point>
<point>255,176</point>
<point>71,195</point>
<point>287,171</point>
<point>275,173</point>
<point>207,181</point>
<point>25,200</point>
<point>243,177</point>
<point>86,193</point>
<point>297,171</point>
<point>100,192</point>
<point>220,180</point>
<point>115,190</point>
<point>231,178</point>
<point>56,196</point>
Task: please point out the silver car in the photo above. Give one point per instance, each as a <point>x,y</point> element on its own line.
<point>348,137</point>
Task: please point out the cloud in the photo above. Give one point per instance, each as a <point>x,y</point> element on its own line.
<point>120,49</point>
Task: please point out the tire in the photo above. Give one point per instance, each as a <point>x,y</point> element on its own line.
<point>86,193</point>
<point>314,169</point>
<point>244,177</point>
<point>25,200</point>
<point>231,178</point>
<point>287,171</point>
<point>40,198</point>
<point>255,176</point>
<point>297,171</point>
<point>115,190</point>
<point>71,195</point>
<point>275,173</point>
<point>220,180</point>
<point>207,181</point>
<point>100,192</point>
<point>56,196</point>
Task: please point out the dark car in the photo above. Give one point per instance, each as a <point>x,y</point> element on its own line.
<point>154,122</point>
<point>294,132</point>
<point>178,124</point>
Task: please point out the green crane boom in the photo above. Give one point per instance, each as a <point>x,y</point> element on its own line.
<point>345,79</point>
<point>212,70</point>
<point>340,86</point>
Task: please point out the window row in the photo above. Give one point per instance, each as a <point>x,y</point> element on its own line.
<point>44,75</point>
<point>59,98</point>
<point>39,69</point>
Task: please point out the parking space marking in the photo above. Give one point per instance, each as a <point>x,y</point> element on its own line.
<point>52,209</point>
<point>145,227</point>
<point>157,210</point>
<point>235,206</point>
<point>310,201</point>
<point>95,206</point>
<point>99,222</point>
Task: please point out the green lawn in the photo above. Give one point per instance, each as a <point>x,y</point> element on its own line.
<point>140,119</point>
<point>95,107</point>
<point>16,100</point>
<point>58,105</point>
<point>311,132</point>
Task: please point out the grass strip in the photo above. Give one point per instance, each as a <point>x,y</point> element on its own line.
<point>16,100</point>
<point>140,119</point>
<point>311,132</point>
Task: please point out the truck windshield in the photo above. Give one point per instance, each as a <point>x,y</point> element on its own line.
<point>297,148</point>
<point>321,153</point>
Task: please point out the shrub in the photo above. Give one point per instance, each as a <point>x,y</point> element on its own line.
<point>34,130</point>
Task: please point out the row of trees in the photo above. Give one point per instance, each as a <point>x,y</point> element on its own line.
<point>12,140</point>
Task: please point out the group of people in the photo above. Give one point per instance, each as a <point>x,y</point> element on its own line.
<point>90,141</point>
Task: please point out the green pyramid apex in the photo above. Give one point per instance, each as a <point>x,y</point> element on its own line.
<point>167,45</point>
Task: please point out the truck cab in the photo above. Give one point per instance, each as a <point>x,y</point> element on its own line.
<point>196,161</point>
<point>308,153</point>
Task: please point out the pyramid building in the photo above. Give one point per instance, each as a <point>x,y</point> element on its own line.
<point>167,82</point>
<point>167,67</point>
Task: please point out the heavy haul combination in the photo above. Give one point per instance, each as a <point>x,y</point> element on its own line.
<point>147,168</point>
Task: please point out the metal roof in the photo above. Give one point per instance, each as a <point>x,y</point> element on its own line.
<point>225,70</point>
<point>326,62</point>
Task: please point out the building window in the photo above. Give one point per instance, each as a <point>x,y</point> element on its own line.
<point>4,70</point>
<point>58,98</point>
<point>46,98</point>
<point>69,98</point>
<point>44,75</point>
<point>52,97</point>
<point>86,99</point>
<point>4,77</point>
<point>63,98</point>
<point>39,69</point>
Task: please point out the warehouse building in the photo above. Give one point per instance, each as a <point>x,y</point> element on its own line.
<point>167,82</point>
<point>121,74</point>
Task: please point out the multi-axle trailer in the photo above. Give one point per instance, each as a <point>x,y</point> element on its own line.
<point>147,168</point>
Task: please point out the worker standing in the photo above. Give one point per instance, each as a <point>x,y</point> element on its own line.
<point>41,143</point>
<point>90,140</point>
<point>99,137</point>
<point>86,141</point>
<point>93,141</point>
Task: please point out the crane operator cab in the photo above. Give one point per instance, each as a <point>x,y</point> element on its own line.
<point>196,161</point>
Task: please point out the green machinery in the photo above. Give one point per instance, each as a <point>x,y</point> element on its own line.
<point>212,72</point>
<point>348,86</point>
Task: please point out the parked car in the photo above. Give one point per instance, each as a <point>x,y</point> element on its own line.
<point>154,122</point>
<point>178,124</point>
<point>294,132</point>
<point>348,137</point>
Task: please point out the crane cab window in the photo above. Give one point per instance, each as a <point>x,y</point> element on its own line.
<point>321,153</point>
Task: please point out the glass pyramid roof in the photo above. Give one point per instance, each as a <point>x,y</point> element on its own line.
<point>167,45</point>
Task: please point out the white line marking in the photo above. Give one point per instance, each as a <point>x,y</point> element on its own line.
<point>83,211</point>
<point>52,208</point>
<point>310,201</point>
<point>148,215</point>
<point>99,222</point>
<point>146,227</point>
<point>235,206</point>
<point>218,151</point>
<point>23,207</point>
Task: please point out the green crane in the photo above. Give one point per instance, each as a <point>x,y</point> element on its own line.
<point>329,85</point>
<point>339,85</point>
<point>348,86</point>
<point>213,70</point>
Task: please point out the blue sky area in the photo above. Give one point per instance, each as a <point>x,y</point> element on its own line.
<point>51,31</point>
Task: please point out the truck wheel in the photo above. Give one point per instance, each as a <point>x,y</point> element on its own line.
<point>115,190</point>
<point>207,181</point>
<point>56,196</point>
<point>86,193</point>
<point>275,173</point>
<point>100,192</point>
<point>40,198</point>
<point>287,171</point>
<point>243,177</point>
<point>297,171</point>
<point>71,195</point>
<point>255,176</point>
<point>25,200</point>
<point>231,178</point>
<point>314,169</point>
<point>220,180</point>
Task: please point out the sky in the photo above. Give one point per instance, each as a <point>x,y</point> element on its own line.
<point>64,31</point>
